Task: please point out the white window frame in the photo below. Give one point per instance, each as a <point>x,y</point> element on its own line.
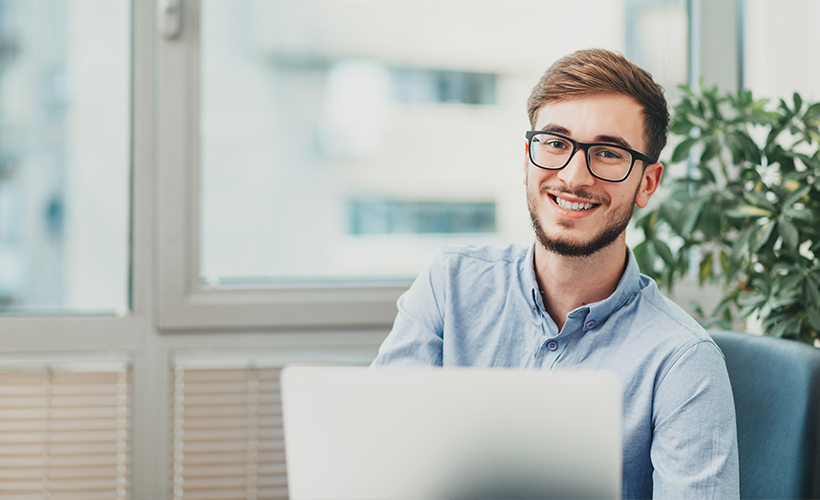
<point>184,302</point>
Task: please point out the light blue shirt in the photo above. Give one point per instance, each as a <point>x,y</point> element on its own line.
<point>480,306</point>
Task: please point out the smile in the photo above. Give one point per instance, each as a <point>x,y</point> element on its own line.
<point>572,206</point>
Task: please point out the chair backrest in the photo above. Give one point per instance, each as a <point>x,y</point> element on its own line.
<point>776,386</point>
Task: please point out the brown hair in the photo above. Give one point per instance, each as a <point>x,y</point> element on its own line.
<point>590,71</point>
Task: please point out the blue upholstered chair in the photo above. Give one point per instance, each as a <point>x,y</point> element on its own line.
<point>776,384</point>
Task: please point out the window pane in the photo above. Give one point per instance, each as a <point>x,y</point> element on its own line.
<point>64,155</point>
<point>657,37</point>
<point>780,42</point>
<point>350,139</point>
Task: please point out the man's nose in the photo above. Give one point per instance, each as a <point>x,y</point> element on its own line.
<point>576,174</point>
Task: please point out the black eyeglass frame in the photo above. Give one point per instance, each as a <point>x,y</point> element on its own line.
<point>585,146</point>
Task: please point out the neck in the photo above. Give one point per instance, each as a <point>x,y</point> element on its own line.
<point>571,282</point>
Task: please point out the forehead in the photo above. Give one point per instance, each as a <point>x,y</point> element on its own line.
<point>601,114</point>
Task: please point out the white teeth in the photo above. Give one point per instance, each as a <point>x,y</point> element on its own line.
<point>572,206</point>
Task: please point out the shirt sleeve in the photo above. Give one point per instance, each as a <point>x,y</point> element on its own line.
<point>694,443</point>
<point>417,337</point>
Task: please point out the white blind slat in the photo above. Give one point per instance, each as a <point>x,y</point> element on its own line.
<point>64,433</point>
<point>227,434</point>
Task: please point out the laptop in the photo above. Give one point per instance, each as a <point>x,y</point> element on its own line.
<point>436,433</point>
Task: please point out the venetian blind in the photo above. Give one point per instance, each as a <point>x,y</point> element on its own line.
<point>64,432</point>
<point>227,434</point>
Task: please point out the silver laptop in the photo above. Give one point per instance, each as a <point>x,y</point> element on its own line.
<point>433,433</point>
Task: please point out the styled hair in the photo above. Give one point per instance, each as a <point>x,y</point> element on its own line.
<point>591,71</point>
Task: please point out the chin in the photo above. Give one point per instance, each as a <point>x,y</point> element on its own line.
<point>574,247</point>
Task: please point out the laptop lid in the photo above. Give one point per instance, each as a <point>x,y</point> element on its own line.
<point>424,433</point>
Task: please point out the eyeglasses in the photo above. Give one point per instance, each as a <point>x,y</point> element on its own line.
<point>607,162</point>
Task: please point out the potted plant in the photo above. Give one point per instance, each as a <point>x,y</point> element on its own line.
<point>746,214</point>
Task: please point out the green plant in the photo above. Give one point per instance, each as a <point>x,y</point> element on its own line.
<point>746,215</point>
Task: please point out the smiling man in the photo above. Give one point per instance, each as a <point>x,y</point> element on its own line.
<point>575,299</point>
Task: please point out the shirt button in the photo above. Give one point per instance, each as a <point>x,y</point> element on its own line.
<point>590,325</point>
<point>552,345</point>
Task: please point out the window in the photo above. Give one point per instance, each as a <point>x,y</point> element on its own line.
<point>64,156</point>
<point>775,41</point>
<point>333,151</point>
<point>657,39</point>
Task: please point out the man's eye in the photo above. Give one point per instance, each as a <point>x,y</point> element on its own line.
<point>555,144</point>
<point>610,154</point>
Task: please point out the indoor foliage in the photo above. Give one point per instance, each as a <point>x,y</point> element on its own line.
<point>747,214</point>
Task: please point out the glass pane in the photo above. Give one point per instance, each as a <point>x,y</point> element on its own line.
<point>657,38</point>
<point>780,44</point>
<point>350,139</point>
<point>64,155</point>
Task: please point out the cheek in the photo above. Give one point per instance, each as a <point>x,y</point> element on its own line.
<point>626,195</point>
<point>537,176</point>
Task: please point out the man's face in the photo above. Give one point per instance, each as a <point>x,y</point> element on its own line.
<point>574,213</point>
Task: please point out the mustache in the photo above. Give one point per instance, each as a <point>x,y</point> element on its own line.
<point>580,193</point>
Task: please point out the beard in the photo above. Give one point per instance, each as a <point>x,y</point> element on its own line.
<point>616,225</point>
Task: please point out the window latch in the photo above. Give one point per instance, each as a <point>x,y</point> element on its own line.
<point>171,18</point>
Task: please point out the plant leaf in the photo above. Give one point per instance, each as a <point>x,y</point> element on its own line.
<point>707,173</point>
<point>682,150</point>
<point>749,148</point>
<point>664,251</point>
<point>742,243</point>
<point>692,218</point>
<point>705,272</point>
<point>681,126</point>
<point>801,214</point>
<point>813,315</point>
<point>796,195</point>
<point>789,284</point>
<point>762,235</point>
<point>813,111</point>
<point>789,233</point>
<point>746,211</point>
<point>813,292</point>
<point>644,259</point>
<point>710,151</point>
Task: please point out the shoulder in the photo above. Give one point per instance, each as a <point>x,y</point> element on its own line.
<point>459,266</point>
<point>661,333</point>
<point>480,272</point>
<point>511,254</point>
<point>685,341</point>
<point>666,312</point>
<point>456,260</point>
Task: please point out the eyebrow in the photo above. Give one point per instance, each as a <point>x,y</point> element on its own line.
<point>557,129</point>
<point>610,139</point>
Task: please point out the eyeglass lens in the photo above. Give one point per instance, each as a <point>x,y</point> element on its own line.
<point>607,162</point>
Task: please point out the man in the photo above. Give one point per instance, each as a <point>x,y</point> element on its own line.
<point>576,299</point>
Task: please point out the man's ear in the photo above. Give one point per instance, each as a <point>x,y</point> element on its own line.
<point>526,159</point>
<point>650,181</point>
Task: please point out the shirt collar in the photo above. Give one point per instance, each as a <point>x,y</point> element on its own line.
<point>597,312</point>
<point>629,284</point>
